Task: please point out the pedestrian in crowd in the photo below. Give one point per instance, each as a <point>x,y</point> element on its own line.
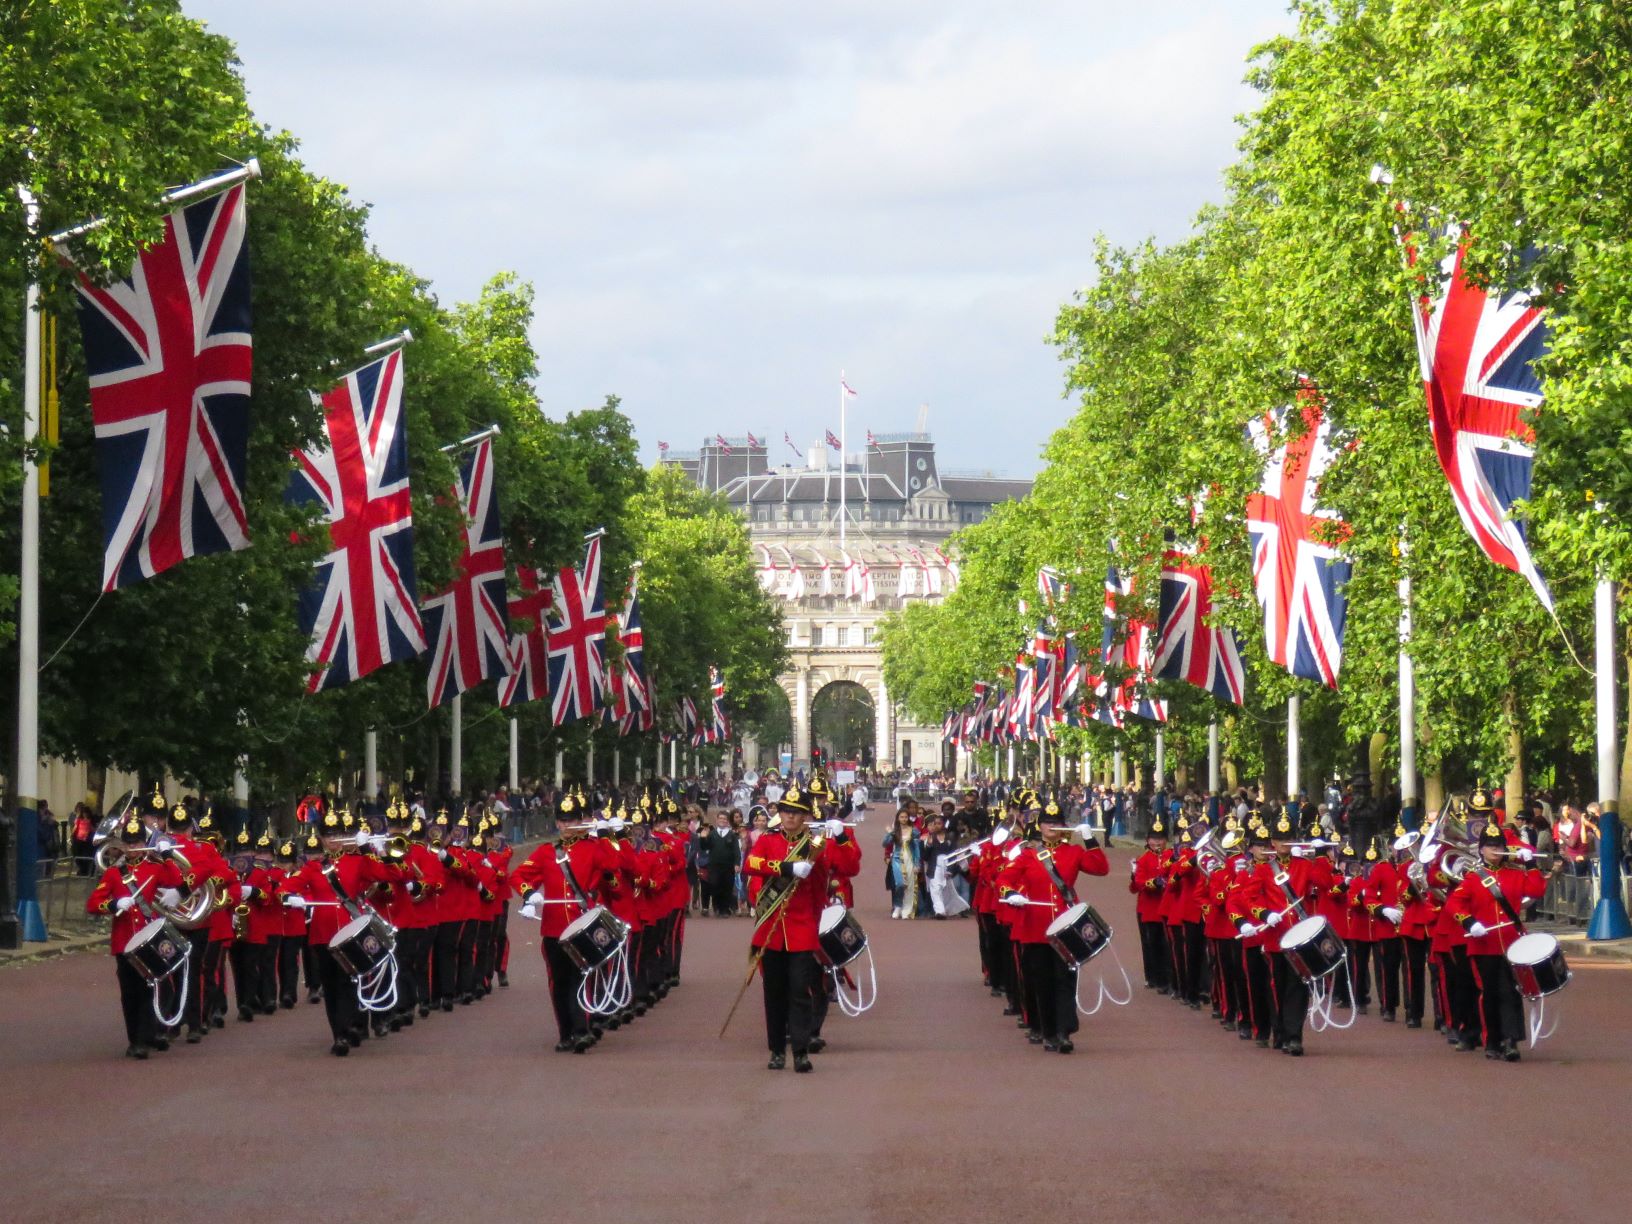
<point>1574,838</point>
<point>701,836</point>
<point>723,854</point>
<point>903,865</point>
<point>82,834</point>
<point>934,847</point>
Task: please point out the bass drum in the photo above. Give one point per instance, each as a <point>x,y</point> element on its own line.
<point>1538,965</point>
<point>839,937</point>
<point>1079,934</point>
<point>157,950</point>
<point>593,938</point>
<point>1314,949</point>
<point>363,944</point>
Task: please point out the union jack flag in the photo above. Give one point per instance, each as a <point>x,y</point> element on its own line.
<point>719,441</point>
<point>1296,566</point>
<point>1134,655</point>
<point>528,674</point>
<point>614,704</point>
<point>1478,350</point>
<point>719,726</point>
<point>833,441</point>
<point>688,719</point>
<point>578,639</point>
<point>1045,678</point>
<point>169,357</point>
<point>1189,648</point>
<point>360,611</point>
<point>637,693</point>
<point>753,441</point>
<point>467,623</point>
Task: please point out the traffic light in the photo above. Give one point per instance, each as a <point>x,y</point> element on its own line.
<point>816,758</point>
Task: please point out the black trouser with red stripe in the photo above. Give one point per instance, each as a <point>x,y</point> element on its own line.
<point>1260,995</point>
<point>790,981</point>
<point>1153,945</point>
<point>1291,998</point>
<point>1416,960</point>
<point>1500,1012</point>
<point>564,976</point>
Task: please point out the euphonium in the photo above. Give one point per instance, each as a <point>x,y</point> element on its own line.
<point>396,848</point>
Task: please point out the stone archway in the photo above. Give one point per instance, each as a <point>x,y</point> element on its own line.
<point>843,721</point>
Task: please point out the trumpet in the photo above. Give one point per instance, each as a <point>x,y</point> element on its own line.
<point>963,854</point>
<point>396,848</point>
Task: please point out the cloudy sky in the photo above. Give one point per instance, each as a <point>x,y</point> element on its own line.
<point>723,203</point>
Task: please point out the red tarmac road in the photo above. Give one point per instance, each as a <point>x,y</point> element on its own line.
<point>932,1107</point>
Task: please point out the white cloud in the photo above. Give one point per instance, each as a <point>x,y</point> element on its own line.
<point>722,202</point>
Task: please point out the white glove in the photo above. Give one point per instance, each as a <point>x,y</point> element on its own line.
<point>1301,851</point>
<point>535,898</point>
<point>377,843</point>
<point>295,902</point>
<point>1525,854</point>
<point>801,869</point>
<point>1012,853</point>
<point>530,910</point>
<point>1273,918</point>
<point>123,904</point>
<point>1249,929</point>
<point>835,828</point>
<point>363,837</point>
<point>169,897</point>
<point>1393,915</point>
<point>1014,899</point>
<point>1478,929</point>
<point>245,892</point>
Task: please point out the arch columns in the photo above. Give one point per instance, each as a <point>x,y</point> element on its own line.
<point>801,717</point>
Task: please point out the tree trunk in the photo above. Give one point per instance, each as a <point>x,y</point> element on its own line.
<point>1376,757</point>
<point>1514,783</point>
<point>1433,792</point>
<point>1181,777</point>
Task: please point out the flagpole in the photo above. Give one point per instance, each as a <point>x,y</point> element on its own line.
<point>1408,712</point>
<point>28,923</point>
<point>1212,757</point>
<point>515,753</point>
<point>1609,917</point>
<point>456,749</point>
<point>1293,750</point>
<point>371,763</point>
<point>843,514</point>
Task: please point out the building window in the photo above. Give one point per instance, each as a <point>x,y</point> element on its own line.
<point>854,636</point>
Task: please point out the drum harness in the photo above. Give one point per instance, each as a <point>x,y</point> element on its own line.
<point>1069,894</point>
<point>608,988</point>
<point>376,989</point>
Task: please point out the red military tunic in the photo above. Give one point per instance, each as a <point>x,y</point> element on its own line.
<point>1147,885</point>
<point>1383,889</point>
<point>104,898</point>
<point>588,859</point>
<point>1028,877</point>
<point>359,875</point>
<point>266,912</point>
<point>795,926</point>
<point>1473,901</point>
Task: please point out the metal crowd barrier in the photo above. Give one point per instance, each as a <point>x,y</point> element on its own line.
<point>1572,898</point>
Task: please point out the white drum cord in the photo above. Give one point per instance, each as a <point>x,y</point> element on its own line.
<point>1535,1016</point>
<point>607,989</point>
<point>1322,997</point>
<point>377,989</point>
<point>1105,995</point>
<point>852,1002</point>
<point>169,1022</point>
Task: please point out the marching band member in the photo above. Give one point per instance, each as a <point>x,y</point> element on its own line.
<point>1336,903</point>
<point>260,915</point>
<point>311,851</point>
<point>499,855</point>
<point>1378,906</point>
<point>1224,957</point>
<point>461,905</point>
<point>291,930</point>
<point>205,867</point>
<point>846,866</point>
<point>1487,904</point>
<point>1459,994</point>
<point>1415,915</point>
<point>1181,902</point>
<point>558,883</point>
<point>1038,883</point>
<point>794,864</point>
<point>151,876</point>
<point>666,812</point>
<point>324,888</point>
<point>1146,884</point>
<point>423,932</point>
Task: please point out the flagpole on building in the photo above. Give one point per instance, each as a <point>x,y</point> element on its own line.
<point>1161,760</point>
<point>844,516</point>
<point>28,923</point>
<point>1212,757</point>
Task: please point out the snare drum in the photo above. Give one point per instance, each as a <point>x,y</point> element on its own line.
<point>157,950</point>
<point>593,937</point>
<point>1538,965</point>
<point>1079,934</point>
<point>1313,948</point>
<point>839,938</point>
<point>363,944</point>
